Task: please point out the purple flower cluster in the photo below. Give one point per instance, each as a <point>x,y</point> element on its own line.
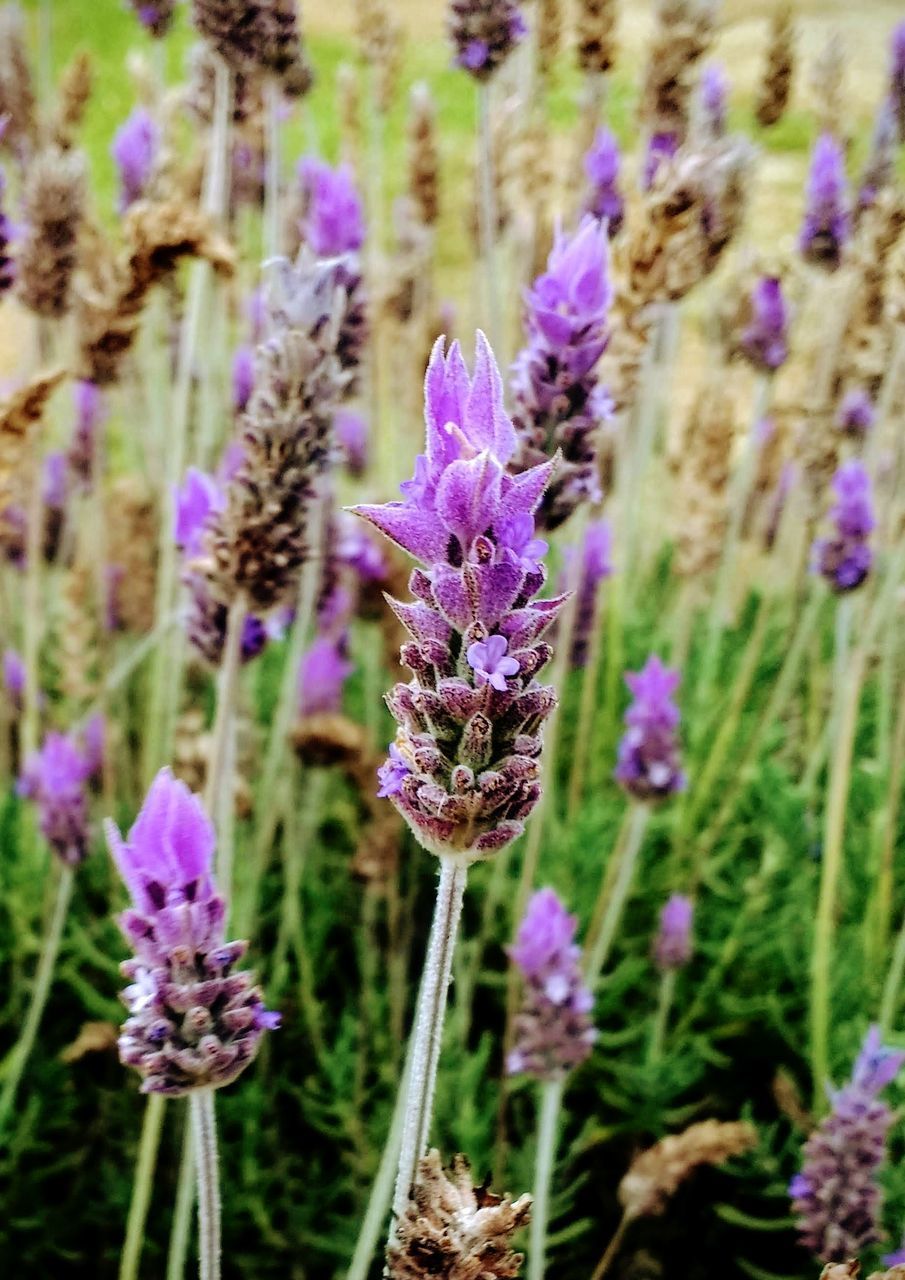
<point>827,221</point>
<point>553,1030</point>
<point>845,558</point>
<point>897,77</point>
<point>334,216</point>
<point>322,674</point>
<point>603,199</point>
<point>559,404</point>
<point>14,678</point>
<point>879,168</point>
<point>90,411</point>
<point>856,414</point>
<point>155,15</point>
<point>765,340</point>
<point>673,943</point>
<point>55,778</point>
<point>836,1196</point>
<point>7,234</point>
<point>484,33</point>
<point>351,432</point>
<point>714,94</point>
<point>649,767</point>
<point>193,1021</point>
<point>595,566</point>
<point>660,149</point>
<point>134,149</point>
<point>465,769</point>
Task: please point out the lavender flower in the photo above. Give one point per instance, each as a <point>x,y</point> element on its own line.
<point>596,566</point>
<point>649,766</point>
<point>243,376</point>
<point>484,33</point>
<point>553,1032</point>
<point>672,945</point>
<point>14,678</point>
<point>827,223</point>
<point>765,340</point>
<point>661,147</point>
<point>558,402</point>
<point>856,414</point>
<point>352,437</point>
<point>7,233</point>
<point>134,150</point>
<point>322,674</point>
<point>54,779</point>
<point>193,1022</point>
<point>603,198</point>
<point>714,92</point>
<point>334,218</point>
<point>845,559</point>
<point>470,742</point>
<point>155,15</point>
<point>897,77</point>
<point>836,1196</point>
<point>89,413</point>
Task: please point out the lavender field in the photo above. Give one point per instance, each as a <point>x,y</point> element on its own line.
<point>452,585</point>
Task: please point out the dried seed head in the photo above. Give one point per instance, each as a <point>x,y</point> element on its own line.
<point>17,95</point>
<point>779,68</point>
<point>380,42</point>
<point>54,202</point>
<point>595,30</point>
<point>828,86</point>
<point>74,92</point>
<point>456,1230</point>
<point>682,35</point>
<point>656,1175</point>
<point>701,491</point>
<point>132,540</point>
<point>424,162</point>
<point>19,416</point>
<point>549,34</point>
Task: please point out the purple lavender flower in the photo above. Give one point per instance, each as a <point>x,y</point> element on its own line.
<point>55,487</point>
<point>714,92</point>
<point>14,677</point>
<point>89,414</point>
<point>94,745</point>
<point>361,554</point>
<point>134,150</point>
<point>897,77</point>
<point>661,147</point>
<point>596,566</point>
<point>155,15</point>
<point>845,558</point>
<point>603,198</point>
<point>836,1196</point>
<point>553,1030</point>
<point>649,767</point>
<point>856,414</point>
<point>827,222</point>
<point>471,747</point>
<point>197,499</point>
<point>334,219</point>
<point>193,1022</point>
<point>54,779</point>
<point>243,376</point>
<point>322,674</point>
<point>765,340</point>
<point>672,945</point>
<point>558,402</point>
<point>393,773</point>
<point>484,33</point>
<point>351,431</point>
<point>7,235</point>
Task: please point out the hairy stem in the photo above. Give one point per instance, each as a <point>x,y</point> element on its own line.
<point>218,789</point>
<point>626,859</point>
<point>661,1018</point>
<point>204,1130</point>
<point>185,1202</point>
<point>547,1131</point>
<point>141,1187</point>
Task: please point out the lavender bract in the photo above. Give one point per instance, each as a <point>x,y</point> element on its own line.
<point>465,769</point>
<point>765,340</point>
<point>55,778</point>
<point>484,33</point>
<point>553,1030</point>
<point>334,218</point>
<point>603,199</point>
<point>559,404</point>
<point>845,559</point>
<point>194,1022</point>
<point>134,150</point>
<point>649,767</point>
<point>827,223</point>
<point>672,945</point>
<point>836,1196</point>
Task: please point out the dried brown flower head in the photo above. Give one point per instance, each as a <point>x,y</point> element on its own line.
<point>549,34</point>
<point>424,161</point>
<point>455,1230</point>
<point>74,93</point>
<point>779,68</point>
<point>595,30</point>
<point>682,35</point>
<point>703,481</point>
<point>18,417</point>
<point>655,1176</point>
<point>132,539</point>
<point>54,200</point>
<point>17,95</point>
<point>828,85</point>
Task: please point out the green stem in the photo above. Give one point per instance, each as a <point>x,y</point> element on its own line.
<point>487,217</point>
<point>185,1201</point>
<point>204,1130</point>
<point>626,858</point>
<point>547,1129</point>
<point>272,229</point>
<point>661,1019</point>
<point>142,1187</point>
<point>16,1061</point>
<point>218,783</point>
<point>590,679</point>
<point>612,1249</point>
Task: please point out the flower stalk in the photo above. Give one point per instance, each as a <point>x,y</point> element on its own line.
<point>547,1132</point>
<point>611,904</point>
<point>142,1187</point>
<point>204,1130</point>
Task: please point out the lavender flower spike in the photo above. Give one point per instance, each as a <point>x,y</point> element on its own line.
<point>558,402</point>
<point>845,558</point>
<point>856,414</point>
<point>596,567</point>
<point>765,340</point>
<point>464,770</point>
<point>827,222</point>
<point>134,150</point>
<point>672,945</point>
<point>193,1022</point>
<point>14,677</point>
<point>334,221</point>
<point>648,766</point>
<point>603,198</point>
<point>55,779</point>
<point>322,674</point>
<point>836,1196</point>
<point>714,92</point>
<point>553,1031</point>
<point>155,15</point>
<point>484,33</point>
<point>897,77</point>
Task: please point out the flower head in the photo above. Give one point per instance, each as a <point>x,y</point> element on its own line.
<point>649,766</point>
<point>836,1195</point>
<point>334,221</point>
<point>322,674</point>
<point>603,198</point>
<point>14,677</point>
<point>352,437</point>
<point>897,76</point>
<point>134,149</point>
<point>827,222</point>
<point>661,147</point>
<point>765,340</point>
<point>845,558</point>
<point>856,414</point>
<point>155,15</point>
<point>194,1022</point>
<point>90,409</point>
<point>672,945</point>
<point>54,779</point>
<point>553,1032</point>
<point>484,33</point>
<point>714,92</point>
<point>595,567</point>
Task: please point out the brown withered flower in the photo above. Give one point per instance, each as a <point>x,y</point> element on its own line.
<point>54,200</point>
<point>779,68</point>
<point>656,1174</point>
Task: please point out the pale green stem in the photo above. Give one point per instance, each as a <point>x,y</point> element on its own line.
<point>204,1130</point>
<point>487,218</point>
<point>547,1131</point>
<point>141,1187</point>
<point>428,1033</point>
<point>598,947</point>
<point>590,679</point>
<point>893,983</point>
<point>185,1202</point>
<point>612,1249</point>
<point>15,1062</point>
<point>32,607</point>
<point>272,229</point>
<point>218,784</point>
<point>661,1019</point>
<point>879,923</point>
